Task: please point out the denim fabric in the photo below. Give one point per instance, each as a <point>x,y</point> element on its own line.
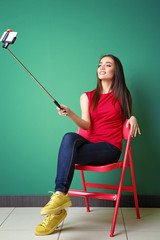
<point>75,149</point>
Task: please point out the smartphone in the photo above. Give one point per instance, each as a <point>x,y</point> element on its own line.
<point>8,38</point>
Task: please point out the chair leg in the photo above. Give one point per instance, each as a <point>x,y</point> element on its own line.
<point>115,217</point>
<point>116,207</point>
<point>118,195</point>
<point>134,184</point>
<point>84,189</point>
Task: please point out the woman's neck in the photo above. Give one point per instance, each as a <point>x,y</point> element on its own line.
<point>106,86</point>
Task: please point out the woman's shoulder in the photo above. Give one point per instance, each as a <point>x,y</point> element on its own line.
<point>90,93</point>
<point>93,91</point>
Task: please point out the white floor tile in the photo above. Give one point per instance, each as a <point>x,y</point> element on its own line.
<point>3,217</point>
<point>143,211</point>
<point>27,210</point>
<point>26,235</point>
<point>142,225</point>
<point>6,210</point>
<point>21,222</point>
<point>143,235</point>
<point>92,210</point>
<point>149,220</point>
<point>70,234</point>
<point>4,213</point>
<point>99,219</point>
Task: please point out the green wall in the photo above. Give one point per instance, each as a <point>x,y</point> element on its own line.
<point>61,42</point>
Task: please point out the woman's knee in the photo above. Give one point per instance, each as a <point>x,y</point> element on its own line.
<point>69,137</point>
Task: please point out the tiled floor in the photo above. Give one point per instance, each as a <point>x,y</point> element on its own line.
<point>20,223</point>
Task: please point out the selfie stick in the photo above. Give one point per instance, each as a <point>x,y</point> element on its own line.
<point>7,39</point>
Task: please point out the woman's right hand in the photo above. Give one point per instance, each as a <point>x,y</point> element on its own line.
<point>83,122</point>
<point>65,111</point>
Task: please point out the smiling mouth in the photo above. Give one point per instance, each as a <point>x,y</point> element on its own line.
<point>102,73</point>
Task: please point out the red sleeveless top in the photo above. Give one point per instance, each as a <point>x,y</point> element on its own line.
<point>106,121</point>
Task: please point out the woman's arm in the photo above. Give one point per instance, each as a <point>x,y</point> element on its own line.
<point>134,126</point>
<point>84,121</point>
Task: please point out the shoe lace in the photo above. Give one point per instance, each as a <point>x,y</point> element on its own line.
<point>51,192</point>
<point>52,197</point>
<point>45,221</point>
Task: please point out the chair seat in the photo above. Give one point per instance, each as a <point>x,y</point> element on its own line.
<point>104,168</point>
<point>98,195</point>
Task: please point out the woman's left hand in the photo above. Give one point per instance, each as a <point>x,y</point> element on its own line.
<point>134,126</point>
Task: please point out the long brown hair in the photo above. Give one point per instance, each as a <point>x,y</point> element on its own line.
<point>118,87</point>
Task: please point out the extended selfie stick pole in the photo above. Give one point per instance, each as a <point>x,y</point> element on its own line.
<point>9,37</point>
<point>35,79</point>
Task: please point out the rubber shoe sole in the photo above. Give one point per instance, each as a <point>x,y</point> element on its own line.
<point>55,210</point>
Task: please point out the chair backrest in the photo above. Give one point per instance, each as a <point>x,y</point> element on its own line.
<point>125,131</point>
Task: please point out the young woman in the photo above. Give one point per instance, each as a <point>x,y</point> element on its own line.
<point>99,141</point>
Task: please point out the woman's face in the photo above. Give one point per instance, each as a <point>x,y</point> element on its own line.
<point>106,69</point>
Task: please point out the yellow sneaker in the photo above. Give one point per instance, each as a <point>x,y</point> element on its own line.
<point>56,203</point>
<point>50,223</point>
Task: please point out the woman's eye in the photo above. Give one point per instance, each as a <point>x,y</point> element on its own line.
<point>106,65</point>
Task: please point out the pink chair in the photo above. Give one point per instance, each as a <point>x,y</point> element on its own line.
<point>110,196</point>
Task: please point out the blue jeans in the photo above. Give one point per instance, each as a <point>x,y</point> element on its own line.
<point>75,149</point>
